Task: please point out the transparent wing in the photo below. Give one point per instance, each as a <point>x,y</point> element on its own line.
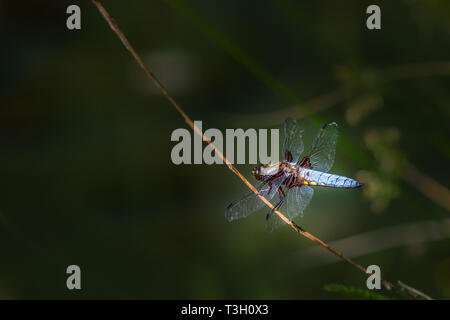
<point>323,148</point>
<point>295,203</point>
<point>293,141</point>
<point>249,203</point>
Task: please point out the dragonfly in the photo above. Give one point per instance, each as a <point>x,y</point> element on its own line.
<point>292,178</point>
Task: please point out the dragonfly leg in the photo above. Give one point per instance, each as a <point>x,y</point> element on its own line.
<point>282,196</point>
<point>281,193</point>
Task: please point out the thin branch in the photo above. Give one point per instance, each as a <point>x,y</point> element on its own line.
<point>413,291</point>
<point>293,225</point>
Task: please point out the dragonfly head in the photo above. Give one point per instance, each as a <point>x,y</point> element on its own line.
<point>256,172</point>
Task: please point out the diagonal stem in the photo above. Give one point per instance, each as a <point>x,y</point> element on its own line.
<point>410,293</point>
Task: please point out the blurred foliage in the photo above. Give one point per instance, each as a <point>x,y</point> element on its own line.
<point>85,144</point>
<point>362,107</point>
<point>354,292</point>
<point>382,185</point>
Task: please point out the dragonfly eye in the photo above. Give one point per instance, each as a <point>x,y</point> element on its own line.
<point>256,172</point>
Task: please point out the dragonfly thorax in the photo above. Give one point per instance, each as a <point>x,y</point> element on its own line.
<point>262,171</point>
<point>274,170</point>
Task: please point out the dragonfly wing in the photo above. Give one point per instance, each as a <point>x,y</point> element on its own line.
<point>293,141</point>
<point>295,203</point>
<point>323,148</point>
<point>249,203</point>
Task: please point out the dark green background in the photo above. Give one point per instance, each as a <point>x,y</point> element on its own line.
<point>85,170</point>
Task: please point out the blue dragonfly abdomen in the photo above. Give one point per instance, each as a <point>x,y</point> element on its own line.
<point>318,178</point>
